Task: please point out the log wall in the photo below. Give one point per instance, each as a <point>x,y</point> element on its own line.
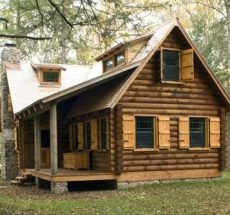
<point>148,96</point>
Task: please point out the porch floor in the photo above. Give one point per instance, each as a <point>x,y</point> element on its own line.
<point>66,175</point>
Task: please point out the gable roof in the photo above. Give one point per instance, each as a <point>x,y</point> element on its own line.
<point>154,43</point>
<point>137,64</point>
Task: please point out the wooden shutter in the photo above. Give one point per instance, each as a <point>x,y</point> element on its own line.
<point>94,134</point>
<point>70,137</point>
<point>184,132</point>
<point>187,65</point>
<point>80,132</point>
<point>214,127</point>
<point>128,131</point>
<point>164,132</point>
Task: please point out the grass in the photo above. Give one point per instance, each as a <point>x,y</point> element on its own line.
<point>2,182</point>
<point>211,197</point>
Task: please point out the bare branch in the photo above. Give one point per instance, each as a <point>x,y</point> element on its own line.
<point>39,10</point>
<point>25,37</point>
<point>61,14</point>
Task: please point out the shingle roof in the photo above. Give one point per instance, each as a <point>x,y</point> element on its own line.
<point>25,88</point>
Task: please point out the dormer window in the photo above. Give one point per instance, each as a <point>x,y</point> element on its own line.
<point>48,74</point>
<point>51,77</point>
<point>114,61</point>
<point>120,58</point>
<point>108,64</point>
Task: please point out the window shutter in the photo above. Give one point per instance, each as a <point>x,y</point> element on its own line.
<point>80,135</point>
<point>128,132</point>
<point>164,132</point>
<point>214,132</point>
<point>184,132</point>
<point>94,134</point>
<point>187,65</point>
<point>71,137</point>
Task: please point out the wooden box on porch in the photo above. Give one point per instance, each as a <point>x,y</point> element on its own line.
<point>76,160</point>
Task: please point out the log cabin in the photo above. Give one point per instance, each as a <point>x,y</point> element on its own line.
<point>149,109</point>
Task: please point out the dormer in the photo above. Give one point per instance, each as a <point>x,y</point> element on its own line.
<point>122,53</point>
<point>48,74</point>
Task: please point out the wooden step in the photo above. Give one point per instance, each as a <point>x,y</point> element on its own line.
<point>15,182</point>
<point>21,178</point>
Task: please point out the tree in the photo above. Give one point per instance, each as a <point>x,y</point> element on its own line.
<point>72,24</point>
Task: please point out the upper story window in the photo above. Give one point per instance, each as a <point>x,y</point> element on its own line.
<point>120,58</point>
<point>50,76</point>
<point>171,66</point>
<point>177,65</point>
<point>116,60</point>
<point>108,64</point>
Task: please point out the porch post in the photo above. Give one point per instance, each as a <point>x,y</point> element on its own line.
<point>37,143</point>
<point>53,139</point>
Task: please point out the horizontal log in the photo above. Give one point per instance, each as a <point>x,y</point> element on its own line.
<point>170,162</point>
<point>168,89</point>
<point>179,95</point>
<point>170,167</point>
<point>168,156</point>
<point>168,100</point>
<point>171,112</point>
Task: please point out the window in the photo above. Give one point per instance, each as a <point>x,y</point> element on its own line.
<point>120,58</point>
<point>103,130</point>
<point>51,76</point>
<point>197,128</point>
<point>170,65</point>
<point>88,135</point>
<point>144,132</point>
<point>108,64</point>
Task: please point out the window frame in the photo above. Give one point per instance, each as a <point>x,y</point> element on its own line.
<point>41,76</point>
<point>113,58</point>
<point>100,134</point>
<point>206,147</point>
<point>155,139</point>
<point>161,62</point>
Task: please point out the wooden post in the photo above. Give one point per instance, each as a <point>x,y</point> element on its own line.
<point>223,138</point>
<point>37,143</point>
<point>119,138</point>
<point>53,139</point>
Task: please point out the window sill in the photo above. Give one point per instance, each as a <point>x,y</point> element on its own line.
<point>199,149</point>
<point>172,82</point>
<point>146,150</point>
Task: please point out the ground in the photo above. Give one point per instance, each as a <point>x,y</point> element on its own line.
<point>190,197</point>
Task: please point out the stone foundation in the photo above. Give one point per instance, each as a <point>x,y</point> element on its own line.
<point>125,184</point>
<point>58,187</point>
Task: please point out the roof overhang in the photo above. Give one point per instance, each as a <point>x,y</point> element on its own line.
<point>43,104</point>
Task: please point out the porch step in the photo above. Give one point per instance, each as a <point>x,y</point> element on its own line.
<point>15,182</point>
<point>24,179</point>
<point>21,178</point>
